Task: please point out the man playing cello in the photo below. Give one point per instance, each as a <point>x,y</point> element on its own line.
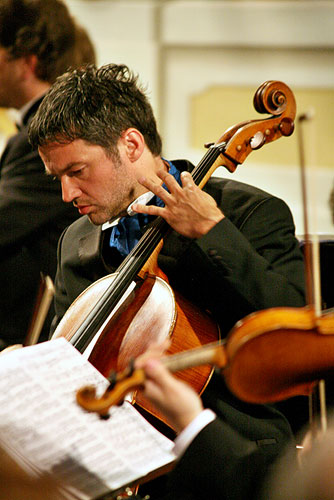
<point>232,250</point>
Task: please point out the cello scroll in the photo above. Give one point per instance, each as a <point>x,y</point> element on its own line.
<point>272,97</point>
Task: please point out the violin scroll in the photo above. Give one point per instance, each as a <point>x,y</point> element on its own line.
<point>114,395</point>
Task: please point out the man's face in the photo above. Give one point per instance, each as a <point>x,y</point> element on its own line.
<point>98,185</point>
<point>10,81</point>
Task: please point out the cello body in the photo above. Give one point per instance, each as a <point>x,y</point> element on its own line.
<point>150,312</point>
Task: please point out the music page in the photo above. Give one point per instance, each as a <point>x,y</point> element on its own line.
<point>44,429</point>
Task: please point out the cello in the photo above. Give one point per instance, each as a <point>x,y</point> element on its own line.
<point>113,346</point>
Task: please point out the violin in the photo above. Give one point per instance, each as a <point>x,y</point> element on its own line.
<point>285,352</point>
<point>130,379</point>
<point>125,312</point>
<point>268,356</point>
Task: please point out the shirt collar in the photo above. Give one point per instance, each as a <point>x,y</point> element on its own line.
<point>143,199</point>
<point>22,112</point>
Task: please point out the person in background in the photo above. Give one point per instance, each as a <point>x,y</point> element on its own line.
<point>311,477</point>
<point>84,50</point>
<point>18,484</point>
<point>232,249</point>
<point>331,203</point>
<point>39,40</point>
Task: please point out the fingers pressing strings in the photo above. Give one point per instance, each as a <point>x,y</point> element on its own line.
<point>188,210</point>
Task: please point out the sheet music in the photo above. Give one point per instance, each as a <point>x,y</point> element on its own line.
<point>42,425</point>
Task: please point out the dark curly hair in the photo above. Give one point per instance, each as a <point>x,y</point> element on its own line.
<point>44,28</point>
<point>96,105</point>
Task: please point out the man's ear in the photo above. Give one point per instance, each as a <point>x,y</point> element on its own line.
<point>133,143</point>
<point>30,64</point>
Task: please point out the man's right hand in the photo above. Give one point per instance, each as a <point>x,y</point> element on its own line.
<point>172,397</point>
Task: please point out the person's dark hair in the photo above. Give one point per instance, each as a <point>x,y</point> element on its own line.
<point>96,105</point>
<point>43,28</point>
<point>83,50</point>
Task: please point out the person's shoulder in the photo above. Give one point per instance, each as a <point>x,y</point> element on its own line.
<point>232,187</point>
<point>235,193</point>
<point>239,200</point>
<point>235,197</point>
<point>80,242</point>
<point>80,227</point>
<point>183,165</point>
<point>21,139</point>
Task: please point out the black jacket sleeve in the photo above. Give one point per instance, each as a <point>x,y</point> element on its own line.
<point>219,464</point>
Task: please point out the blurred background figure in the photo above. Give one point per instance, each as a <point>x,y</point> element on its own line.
<point>331,203</point>
<point>16,484</point>
<point>39,40</point>
<point>84,50</point>
<point>312,479</point>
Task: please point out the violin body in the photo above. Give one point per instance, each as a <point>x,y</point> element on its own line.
<point>279,353</point>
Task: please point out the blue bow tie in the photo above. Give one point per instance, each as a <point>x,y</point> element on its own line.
<point>125,236</point>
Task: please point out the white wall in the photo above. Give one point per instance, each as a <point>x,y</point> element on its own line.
<point>181,47</point>
<point>123,32</point>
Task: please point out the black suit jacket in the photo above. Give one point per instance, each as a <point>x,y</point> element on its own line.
<point>219,464</point>
<point>249,261</point>
<point>32,217</point>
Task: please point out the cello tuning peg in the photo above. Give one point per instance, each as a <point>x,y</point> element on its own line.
<point>257,141</point>
<point>208,145</point>
<point>286,126</point>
